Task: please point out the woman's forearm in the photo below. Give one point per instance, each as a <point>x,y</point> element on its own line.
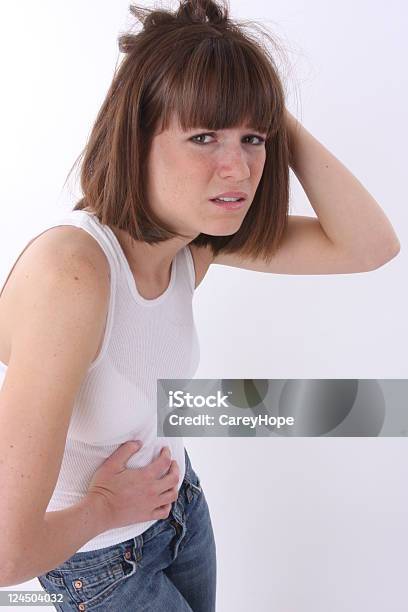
<point>60,536</point>
<point>348,214</point>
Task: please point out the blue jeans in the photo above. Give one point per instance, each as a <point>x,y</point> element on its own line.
<point>170,567</point>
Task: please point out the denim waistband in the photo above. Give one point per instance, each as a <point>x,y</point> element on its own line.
<point>189,480</point>
<point>189,474</point>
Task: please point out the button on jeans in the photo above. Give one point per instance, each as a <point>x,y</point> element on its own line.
<point>171,567</point>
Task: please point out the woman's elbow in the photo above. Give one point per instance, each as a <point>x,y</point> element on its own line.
<point>385,254</point>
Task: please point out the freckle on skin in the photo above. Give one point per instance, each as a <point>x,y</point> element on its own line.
<point>76,277</point>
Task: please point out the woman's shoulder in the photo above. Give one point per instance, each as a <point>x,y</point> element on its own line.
<point>59,245</point>
<point>56,249</point>
<point>71,240</point>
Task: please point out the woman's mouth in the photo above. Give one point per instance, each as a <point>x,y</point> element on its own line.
<point>229,205</point>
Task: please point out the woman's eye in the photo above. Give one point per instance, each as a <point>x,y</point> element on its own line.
<point>200,136</point>
<point>260,139</point>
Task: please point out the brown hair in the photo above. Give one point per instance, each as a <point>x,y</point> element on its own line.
<point>199,64</point>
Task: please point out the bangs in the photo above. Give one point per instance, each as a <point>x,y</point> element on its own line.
<point>222,84</point>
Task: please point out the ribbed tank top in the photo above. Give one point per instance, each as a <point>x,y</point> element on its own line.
<point>144,339</point>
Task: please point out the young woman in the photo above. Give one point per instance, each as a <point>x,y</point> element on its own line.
<point>187,165</point>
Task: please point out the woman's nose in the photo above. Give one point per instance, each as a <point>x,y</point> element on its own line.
<point>233,161</point>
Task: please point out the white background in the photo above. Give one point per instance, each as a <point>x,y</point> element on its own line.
<point>301,525</point>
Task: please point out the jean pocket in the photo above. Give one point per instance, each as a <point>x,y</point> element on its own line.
<point>90,585</point>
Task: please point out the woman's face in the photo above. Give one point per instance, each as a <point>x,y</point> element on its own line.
<point>186,169</point>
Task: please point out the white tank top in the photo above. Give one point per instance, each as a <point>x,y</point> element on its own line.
<point>145,339</point>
